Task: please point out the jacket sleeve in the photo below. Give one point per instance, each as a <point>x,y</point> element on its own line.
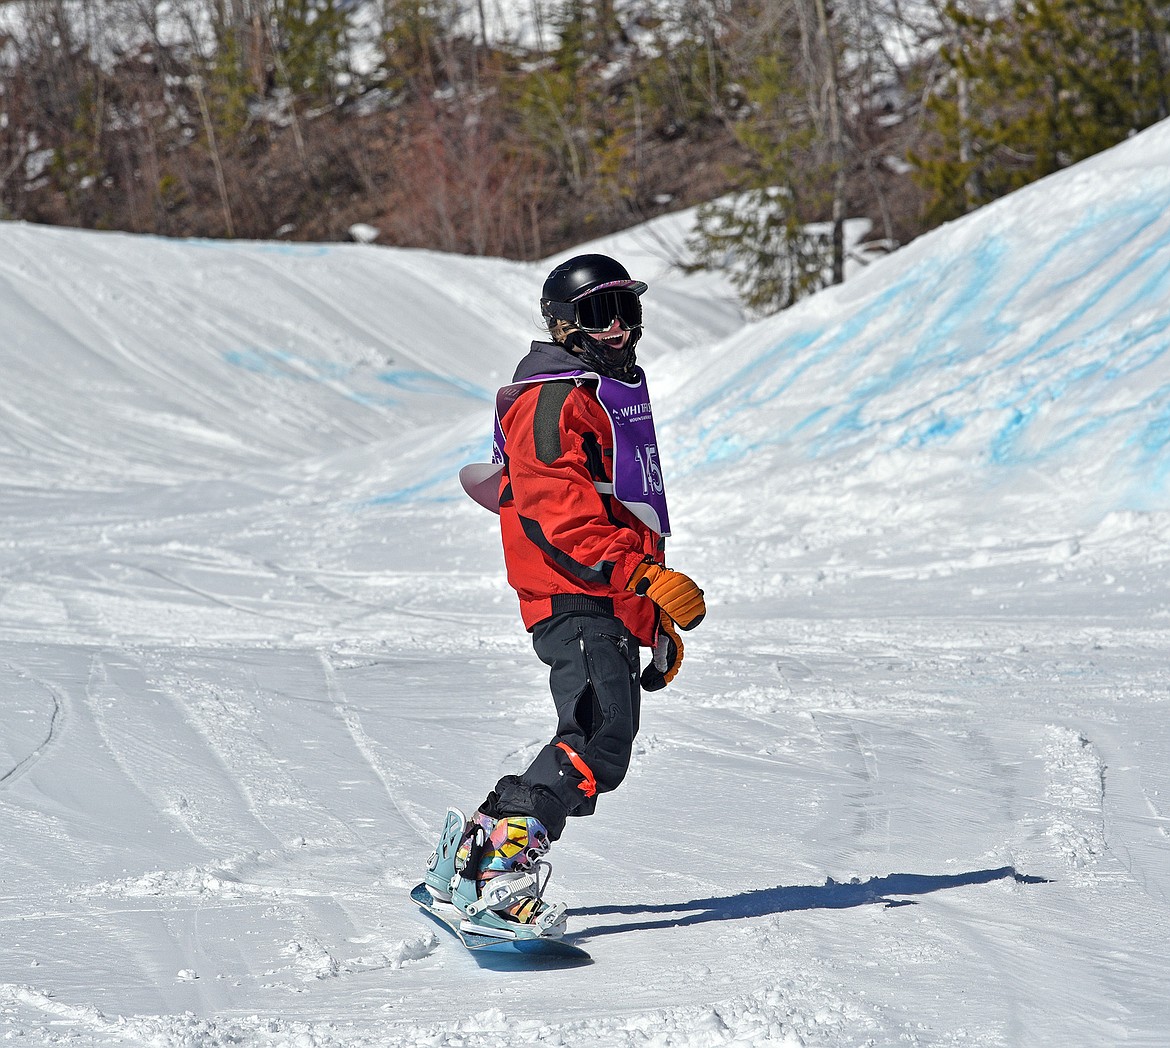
<point>559,447</point>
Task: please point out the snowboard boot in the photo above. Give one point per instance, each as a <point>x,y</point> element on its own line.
<point>502,877</point>
<point>441,866</point>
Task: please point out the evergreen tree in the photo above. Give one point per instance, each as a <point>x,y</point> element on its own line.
<point>573,110</point>
<point>761,235</point>
<point>411,37</point>
<point>311,39</point>
<point>1037,89</point>
<point>771,257</point>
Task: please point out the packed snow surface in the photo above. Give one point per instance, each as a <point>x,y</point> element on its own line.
<point>912,786</point>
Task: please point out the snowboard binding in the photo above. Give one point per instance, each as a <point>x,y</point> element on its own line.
<point>441,865</point>
<point>494,872</point>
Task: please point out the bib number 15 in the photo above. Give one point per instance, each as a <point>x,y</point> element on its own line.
<point>647,455</point>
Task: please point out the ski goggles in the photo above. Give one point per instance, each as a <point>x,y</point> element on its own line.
<point>598,309</point>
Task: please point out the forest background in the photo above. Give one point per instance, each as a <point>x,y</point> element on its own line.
<point>518,129</point>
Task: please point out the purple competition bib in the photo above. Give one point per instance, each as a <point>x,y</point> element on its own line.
<point>637,473</point>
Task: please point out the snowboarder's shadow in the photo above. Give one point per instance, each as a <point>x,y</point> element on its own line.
<point>761,902</point>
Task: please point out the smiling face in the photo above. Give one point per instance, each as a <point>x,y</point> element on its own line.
<point>615,336</point>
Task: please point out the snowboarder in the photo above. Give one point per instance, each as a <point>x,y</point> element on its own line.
<point>583,519</point>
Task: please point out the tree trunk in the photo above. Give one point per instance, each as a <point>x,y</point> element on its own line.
<point>836,141</point>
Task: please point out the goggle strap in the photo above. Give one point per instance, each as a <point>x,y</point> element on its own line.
<point>565,311</point>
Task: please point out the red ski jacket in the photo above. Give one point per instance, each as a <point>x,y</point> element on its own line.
<point>568,546</point>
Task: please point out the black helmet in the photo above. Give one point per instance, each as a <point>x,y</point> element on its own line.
<point>578,292</point>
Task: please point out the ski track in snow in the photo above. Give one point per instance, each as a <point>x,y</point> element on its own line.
<point>55,716</point>
<point>395,784</point>
<point>909,788</point>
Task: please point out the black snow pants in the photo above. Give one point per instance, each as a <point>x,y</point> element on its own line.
<point>593,673</point>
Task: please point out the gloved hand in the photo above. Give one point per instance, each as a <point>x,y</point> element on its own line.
<point>666,659</point>
<point>671,590</point>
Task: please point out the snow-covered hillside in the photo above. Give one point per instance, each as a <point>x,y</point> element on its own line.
<point>908,788</point>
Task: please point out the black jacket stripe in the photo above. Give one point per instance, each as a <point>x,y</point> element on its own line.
<point>546,423</point>
<point>598,575</point>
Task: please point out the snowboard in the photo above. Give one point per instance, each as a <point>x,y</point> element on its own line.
<point>489,949</point>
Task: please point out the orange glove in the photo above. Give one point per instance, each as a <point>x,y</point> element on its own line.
<point>671,590</point>
<point>666,659</point>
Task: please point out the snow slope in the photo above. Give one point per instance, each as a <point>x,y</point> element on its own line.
<point>253,640</point>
